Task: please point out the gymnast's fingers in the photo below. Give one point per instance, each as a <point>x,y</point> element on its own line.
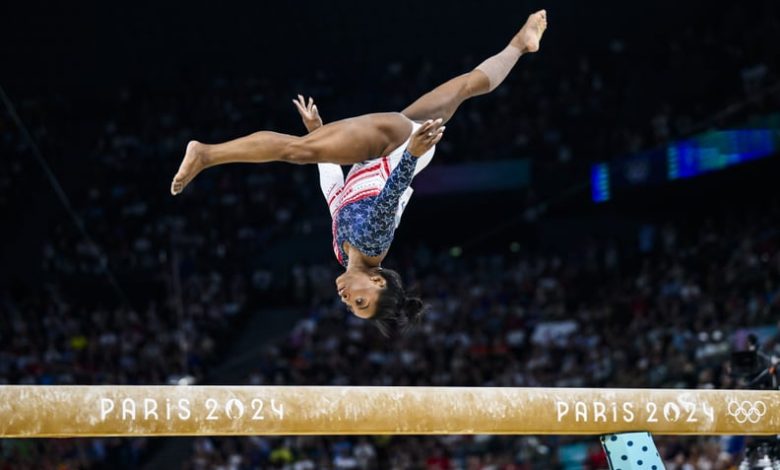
<point>424,128</point>
<point>435,135</point>
<point>437,138</point>
<point>300,108</point>
<point>436,125</point>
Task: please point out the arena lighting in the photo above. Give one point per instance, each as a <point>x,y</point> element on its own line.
<point>78,411</point>
<point>684,159</point>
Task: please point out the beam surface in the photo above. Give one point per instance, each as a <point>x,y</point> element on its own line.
<point>72,411</point>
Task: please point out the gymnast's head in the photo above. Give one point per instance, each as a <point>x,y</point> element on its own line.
<point>378,295</point>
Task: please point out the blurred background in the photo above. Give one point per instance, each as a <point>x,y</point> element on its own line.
<point>607,218</point>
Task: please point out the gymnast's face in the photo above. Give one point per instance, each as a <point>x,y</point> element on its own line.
<point>359,290</point>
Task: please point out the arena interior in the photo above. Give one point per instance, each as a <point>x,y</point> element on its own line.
<point>608,217</point>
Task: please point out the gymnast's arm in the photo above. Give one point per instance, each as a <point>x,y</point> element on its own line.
<point>428,135</point>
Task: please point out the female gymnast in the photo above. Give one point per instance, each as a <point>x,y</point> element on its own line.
<point>366,208</point>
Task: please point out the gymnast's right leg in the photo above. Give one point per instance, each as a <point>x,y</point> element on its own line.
<point>443,101</point>
<point>342,142</point>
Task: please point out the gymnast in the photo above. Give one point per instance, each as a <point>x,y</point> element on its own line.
<point>386,150</point>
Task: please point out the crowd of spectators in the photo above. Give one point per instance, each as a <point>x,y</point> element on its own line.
<point>48,338</point>
<point>185,268</point>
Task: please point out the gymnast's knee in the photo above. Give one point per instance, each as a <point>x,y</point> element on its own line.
<point>300,153</point>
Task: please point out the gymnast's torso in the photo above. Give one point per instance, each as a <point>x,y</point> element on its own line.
<point>368,219</point>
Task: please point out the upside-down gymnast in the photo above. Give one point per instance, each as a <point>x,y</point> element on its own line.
<point>366,208</point>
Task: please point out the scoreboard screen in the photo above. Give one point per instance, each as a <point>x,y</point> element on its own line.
<point>704,153</point>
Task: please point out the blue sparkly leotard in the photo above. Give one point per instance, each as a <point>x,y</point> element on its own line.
<point>368,224</point>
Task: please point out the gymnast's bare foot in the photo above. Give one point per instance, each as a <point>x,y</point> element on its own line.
<point>194,161</point>
<point>529,36</point>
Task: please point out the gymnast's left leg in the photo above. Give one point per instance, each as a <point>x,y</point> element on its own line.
<point>342,142</point>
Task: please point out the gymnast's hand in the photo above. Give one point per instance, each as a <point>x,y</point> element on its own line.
<point>428,135</point>
<point>309,114</point>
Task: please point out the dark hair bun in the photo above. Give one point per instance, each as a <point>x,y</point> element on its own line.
<point>396,312</point>
<point>413,305</point>
<point>412,311</point>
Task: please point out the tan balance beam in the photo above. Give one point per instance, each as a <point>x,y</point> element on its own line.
<point>73,411</point>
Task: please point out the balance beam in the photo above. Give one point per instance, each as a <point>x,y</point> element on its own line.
<point>79,411</point>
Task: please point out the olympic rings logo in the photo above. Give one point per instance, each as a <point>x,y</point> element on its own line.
<point>747,411</point>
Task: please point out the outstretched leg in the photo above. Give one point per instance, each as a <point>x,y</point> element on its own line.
<point>445,99</point>
<point>343,142</point>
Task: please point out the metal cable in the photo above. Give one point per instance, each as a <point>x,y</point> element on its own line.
<point>63,197</point>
